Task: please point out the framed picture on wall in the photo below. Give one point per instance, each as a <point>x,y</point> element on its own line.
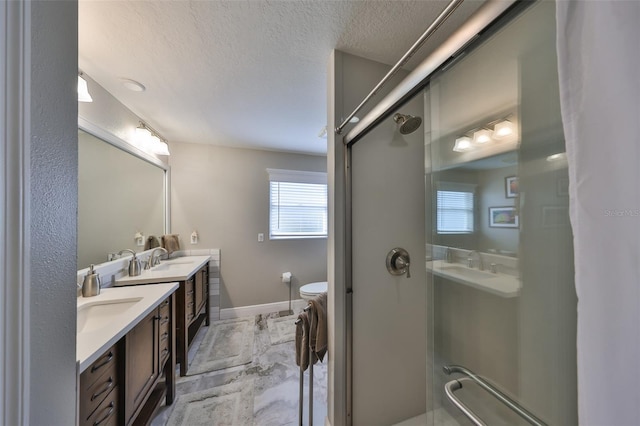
<point>511,186</point>
<point>503,217</point>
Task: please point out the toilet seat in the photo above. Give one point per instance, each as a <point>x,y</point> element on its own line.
<point>311,290</point>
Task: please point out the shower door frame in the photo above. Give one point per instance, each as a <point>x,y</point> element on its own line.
<point>466,37</point>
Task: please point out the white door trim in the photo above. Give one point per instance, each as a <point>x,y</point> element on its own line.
<point>15,191</point>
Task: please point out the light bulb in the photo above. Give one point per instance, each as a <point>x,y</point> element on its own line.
<point>462,144</point>
<point>502,129</point>
<point>482,136</point>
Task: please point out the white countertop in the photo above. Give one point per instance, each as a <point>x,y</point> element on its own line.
<point>136,302</point>
<point>178,269</point>
<point>502,285</point>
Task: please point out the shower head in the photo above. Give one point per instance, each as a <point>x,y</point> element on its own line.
<point>408,123</point>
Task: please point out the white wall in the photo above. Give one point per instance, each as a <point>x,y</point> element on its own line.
<point>223,193</point>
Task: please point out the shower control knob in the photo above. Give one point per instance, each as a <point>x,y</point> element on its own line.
<point>399,262</point>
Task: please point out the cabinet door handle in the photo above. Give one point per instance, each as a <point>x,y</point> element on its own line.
<point>106,388</point>
<point>102,364</point>
<point>111,407</point>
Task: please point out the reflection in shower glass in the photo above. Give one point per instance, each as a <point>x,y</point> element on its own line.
<point>502,294</point>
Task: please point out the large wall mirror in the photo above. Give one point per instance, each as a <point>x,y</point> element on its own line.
<point>122,193</point>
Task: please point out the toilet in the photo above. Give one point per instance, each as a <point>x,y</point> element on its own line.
<point>311,290</point>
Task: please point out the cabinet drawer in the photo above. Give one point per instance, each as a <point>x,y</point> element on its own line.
<point>107,412</point>
<point>92,396</point>
<point>95,371</point>
<point>164,309</point>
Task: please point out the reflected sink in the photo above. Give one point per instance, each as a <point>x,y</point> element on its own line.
<point>473,274</point>
<point>95,315</point>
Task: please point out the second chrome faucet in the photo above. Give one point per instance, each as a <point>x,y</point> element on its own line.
<point>470,263</point>
<point>153,259</point>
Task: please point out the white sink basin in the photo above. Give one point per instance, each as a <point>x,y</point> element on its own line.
<point>167,266</point>
<point>473,274</point>
<point>95,315</point>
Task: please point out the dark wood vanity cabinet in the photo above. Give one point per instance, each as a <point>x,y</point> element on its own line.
<point>126,385</point>
<point>99,390</point>
<point>192,312</point>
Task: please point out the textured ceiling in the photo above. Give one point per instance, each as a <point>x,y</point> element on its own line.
<point>243,73</point>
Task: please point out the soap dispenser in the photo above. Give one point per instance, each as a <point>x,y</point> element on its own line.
<point>91,283</point>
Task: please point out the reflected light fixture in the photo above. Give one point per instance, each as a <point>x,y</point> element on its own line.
<point>83,90</point>
<point>482,136</point>
<point>502,129</point>
<point>462,144</point>
<point>557,157</point>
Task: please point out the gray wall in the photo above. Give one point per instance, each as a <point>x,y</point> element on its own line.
<point>389,312</point>
<point>53,199</point>
<point>223,193</point>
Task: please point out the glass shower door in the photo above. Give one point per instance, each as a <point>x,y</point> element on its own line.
<point>502,299</point>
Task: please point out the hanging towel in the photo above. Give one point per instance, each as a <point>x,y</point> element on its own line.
<point>302,342</point>
<point>171,243</point>
<point>318,325</point>
<point>152,242</point>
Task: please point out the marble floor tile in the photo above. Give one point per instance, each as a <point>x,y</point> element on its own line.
<point>274,376</point>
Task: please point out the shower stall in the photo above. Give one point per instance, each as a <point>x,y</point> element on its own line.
<point>459,299</point>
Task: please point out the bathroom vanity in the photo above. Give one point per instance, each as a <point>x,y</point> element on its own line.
<point>192,297</point>
<point>126,354</point>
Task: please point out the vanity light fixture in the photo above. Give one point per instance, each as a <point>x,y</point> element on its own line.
<point>502,129</point>
<point>161,148</point>
<point>151,141</point>
<point>83,90</point>
<point>482,136</point>
<point>462,144</point>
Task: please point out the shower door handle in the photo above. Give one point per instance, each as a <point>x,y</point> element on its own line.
<point>399,262</point>
<point>456,384</point>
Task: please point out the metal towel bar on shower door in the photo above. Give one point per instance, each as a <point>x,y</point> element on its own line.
<point>454,385</point>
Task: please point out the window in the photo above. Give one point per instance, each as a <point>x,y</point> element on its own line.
<point>297,204</point>
<point>454,208</point>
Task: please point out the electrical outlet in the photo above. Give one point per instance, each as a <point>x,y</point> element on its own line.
<point>260,237</point>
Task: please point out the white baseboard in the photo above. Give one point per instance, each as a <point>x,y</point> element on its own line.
<point>246,311</point>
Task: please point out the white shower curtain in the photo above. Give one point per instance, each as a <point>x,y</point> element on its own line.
<point>599,67</point>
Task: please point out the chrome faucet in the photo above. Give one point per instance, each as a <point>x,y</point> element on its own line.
<point>153,259</point>
<point>470,260</point>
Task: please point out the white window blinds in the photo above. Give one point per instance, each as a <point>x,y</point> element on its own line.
<point>298,204</point>
<point>454,213</point>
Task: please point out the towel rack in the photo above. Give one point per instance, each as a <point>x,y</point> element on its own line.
<point>456,384</point>
<point>301,391</point>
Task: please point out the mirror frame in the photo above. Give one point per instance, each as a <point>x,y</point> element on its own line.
<point>110,138</point>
